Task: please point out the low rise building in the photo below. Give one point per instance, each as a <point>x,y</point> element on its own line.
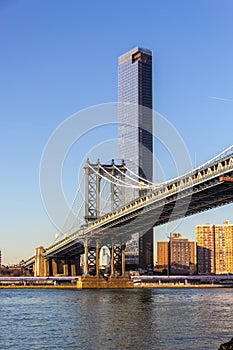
<point>177,256</point>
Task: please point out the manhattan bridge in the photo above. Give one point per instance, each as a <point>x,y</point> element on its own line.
<point>117,203</point>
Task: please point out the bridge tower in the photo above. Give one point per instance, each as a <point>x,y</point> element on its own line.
<point>93,175</point>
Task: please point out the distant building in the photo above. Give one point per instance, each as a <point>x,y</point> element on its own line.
<point>176,256</point>
<point>132,251</point>
<point>181,254</point>
<point>205,249</point>
<point>224,248</point>
<point>105,256</point>
<point>192,258</point>
<point>162,257</point>
<point>214,248</point>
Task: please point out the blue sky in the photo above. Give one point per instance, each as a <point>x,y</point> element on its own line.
<point>59,57</point>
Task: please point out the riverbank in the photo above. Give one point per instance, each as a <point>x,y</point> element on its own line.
<point>136,287</point>
<point>114,282</point>
<point>179,286</point>
<point>118,286</point>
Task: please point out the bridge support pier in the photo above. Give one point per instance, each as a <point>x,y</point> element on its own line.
<point>123,259</point>
<point>117,259</point>
<point>47,267</point>
<point>73,269</point>
<point>97,256</point>
<point>112,261</point>
<point>77,263</point>
<point>40,263</point>
<point>91,259</point>
<point>86,267</point>
<point>54,267</point>
<point>65,268</point>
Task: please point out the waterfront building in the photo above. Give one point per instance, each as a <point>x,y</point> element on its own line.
<point>205,249</point>
<point>181,254</point>
<point>176,256</point>
<point>214,248</point>
<point>162,257</point>
<point>136,125</point>
<point>192,258</point>
<point>224,248</point>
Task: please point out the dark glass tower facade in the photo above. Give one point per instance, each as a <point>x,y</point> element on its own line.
<point>135,114</point>
<point>136,124</point>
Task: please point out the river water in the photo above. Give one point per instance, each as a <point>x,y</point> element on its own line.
<point>137,319</point>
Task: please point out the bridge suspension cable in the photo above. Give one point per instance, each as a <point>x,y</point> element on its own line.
<point>73,203</point>
<point>63,231</point>
<point>200,167</point>
<point>117,181</point>
<point>77,219</point>
<point>145,181</point>
<point>216,158</point>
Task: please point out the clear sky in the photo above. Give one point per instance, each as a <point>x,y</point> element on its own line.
<point>59,57</point>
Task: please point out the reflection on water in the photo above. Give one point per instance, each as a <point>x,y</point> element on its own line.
<point>116,319</point>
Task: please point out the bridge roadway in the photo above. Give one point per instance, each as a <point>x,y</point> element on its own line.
<point>202,189</point>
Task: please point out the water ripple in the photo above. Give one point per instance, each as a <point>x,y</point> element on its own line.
<point>147,319</point>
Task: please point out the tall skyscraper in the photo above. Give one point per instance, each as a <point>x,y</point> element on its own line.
<point>136,125</point>
<point>135,111</point>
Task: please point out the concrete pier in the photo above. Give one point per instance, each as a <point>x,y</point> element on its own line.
<point>96,282</point>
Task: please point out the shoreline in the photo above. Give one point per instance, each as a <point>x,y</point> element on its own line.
<point>115,282</point>
<point>141,286</point>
